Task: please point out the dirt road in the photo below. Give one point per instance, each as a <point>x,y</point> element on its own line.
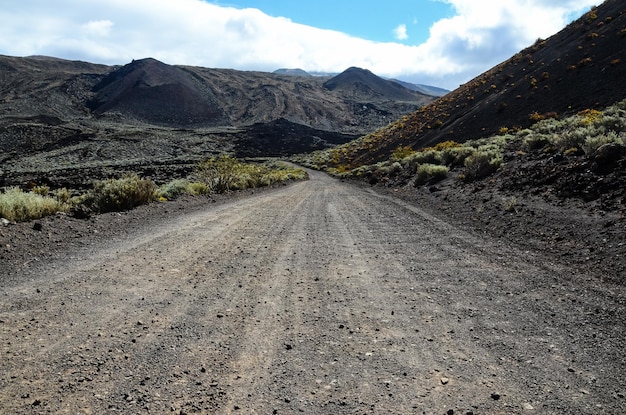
<point>316,298</point>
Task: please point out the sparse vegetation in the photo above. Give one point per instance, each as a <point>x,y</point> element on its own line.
<point>174,189</point>
<point>579,134</point>
<point>402,152</point>
<point>62,195</point>
<point>19,206</point>
<point>226,173</point>
<point>480,165</point>
<point>197,188</point>
<point>41,190</point>
<point>113,195</point>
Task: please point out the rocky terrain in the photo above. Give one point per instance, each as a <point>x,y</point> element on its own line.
<point>66,123</point>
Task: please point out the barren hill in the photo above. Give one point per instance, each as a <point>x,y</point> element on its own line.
<point>157,93</point>
<point>64,121</point>
<point>363,84</point>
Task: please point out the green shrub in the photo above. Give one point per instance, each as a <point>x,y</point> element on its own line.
<point>197,188</point>
<point>574,138</point>
<point>18,206</point>
<point>173,189</point>
<point>480,165</point>
<point>115,195</point>
<point>423,157</point>
<point>533,141</point>
<point>430,173</point>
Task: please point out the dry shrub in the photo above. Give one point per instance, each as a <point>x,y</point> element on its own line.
<point>480,165</point>
<point>174,189</point>
<point>19,206</point>
<point>115,195</point>
<point>430,173</point>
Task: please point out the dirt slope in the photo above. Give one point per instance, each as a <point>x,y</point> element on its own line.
<point>316,298</point>
<point>583,66</point>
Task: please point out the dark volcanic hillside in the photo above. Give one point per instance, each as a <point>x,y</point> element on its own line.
<point>364,85</point>
<point>40,86</point>
<point>581,67</point>
<point>65,123</point>
<point>157,93</point>
<point>151,92</point>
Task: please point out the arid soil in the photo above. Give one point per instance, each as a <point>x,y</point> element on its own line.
<point>321,297</point>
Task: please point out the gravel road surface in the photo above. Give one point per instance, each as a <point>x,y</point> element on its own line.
<point>316,298</point>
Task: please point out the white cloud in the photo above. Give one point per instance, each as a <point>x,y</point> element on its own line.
<point>98,27</point>
<point>400,32</point>
<point>194,32</point>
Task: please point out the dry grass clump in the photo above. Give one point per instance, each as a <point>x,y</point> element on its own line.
<point>19,206</point>
<point>197,188</point>
<point>114,195</point>
<point>509,203</point>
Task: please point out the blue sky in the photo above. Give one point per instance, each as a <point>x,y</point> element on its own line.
<point>436,42</point>
<point>368,19</point>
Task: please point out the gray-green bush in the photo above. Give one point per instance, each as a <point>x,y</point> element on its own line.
<point>480,164</point>
<point>19,206</point>
<point>430,173</point>
<point>174,189</point>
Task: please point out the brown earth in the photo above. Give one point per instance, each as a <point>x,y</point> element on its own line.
<point>318,297</point>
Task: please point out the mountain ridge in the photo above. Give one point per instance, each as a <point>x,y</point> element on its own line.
<point>64,122</point>
<point>152,92</point>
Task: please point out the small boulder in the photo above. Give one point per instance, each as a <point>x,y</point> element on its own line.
<point>80,212</point>
<point>605,158</point>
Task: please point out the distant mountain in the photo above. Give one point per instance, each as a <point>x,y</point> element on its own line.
<point>152,92</point>
<point>292,72</point>
<point>581,67</point>
<point>364,84</point>
<point>424,89</point>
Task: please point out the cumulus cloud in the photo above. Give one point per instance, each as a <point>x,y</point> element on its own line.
<point>400,32</point>
<point>194,32</point>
